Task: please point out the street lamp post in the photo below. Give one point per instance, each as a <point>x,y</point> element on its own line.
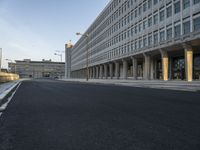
<point>13,63</point>
<point>87,54</point>
<point>59,55</point>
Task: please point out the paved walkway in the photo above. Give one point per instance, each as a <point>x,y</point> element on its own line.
<point>158,84</point>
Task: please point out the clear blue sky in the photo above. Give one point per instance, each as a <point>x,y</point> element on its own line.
<point>34,29</point>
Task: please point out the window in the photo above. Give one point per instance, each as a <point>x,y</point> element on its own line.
<point>155,19</point>
<point>196,1</point>
<point>131,31</point>
<point>136,29</point>
<point>140,43</point>
<point>197,24</point>
<point>149,3</point>
<point>169,33</point>
<point>155,38</point>
<point>177,7</point>
<point>169,11</point>
<point>135,13</point>
<point>145,24</point>
<point>162,36</point>
<point>144,41</point>
<point>162,15</point>
<point>140,10</point>
<point>144,6</point>
<point>140,27</point>
<point>150,40</point>
<point>177,31</point>
<point>150,21</point>
<point>186,4</point>
<point>186,27</point>
<point>155,2</point>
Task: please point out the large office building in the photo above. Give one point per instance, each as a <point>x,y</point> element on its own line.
<point>141,39</point>
<point>37,69</point>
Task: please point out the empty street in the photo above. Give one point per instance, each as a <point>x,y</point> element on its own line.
<point>57,115</point>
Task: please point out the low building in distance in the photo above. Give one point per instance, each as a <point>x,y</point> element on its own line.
<point>37,69</point>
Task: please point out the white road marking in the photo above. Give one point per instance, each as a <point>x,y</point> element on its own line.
<point>4,106</point>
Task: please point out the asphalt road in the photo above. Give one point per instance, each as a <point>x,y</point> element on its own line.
<point>55,115</point>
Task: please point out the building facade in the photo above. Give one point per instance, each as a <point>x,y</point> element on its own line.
<point>141,39</point>
<point>68,48</point>
<point>38,69</point>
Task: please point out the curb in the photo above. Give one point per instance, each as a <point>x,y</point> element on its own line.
<point>157,86</point>
<point>7,91</point>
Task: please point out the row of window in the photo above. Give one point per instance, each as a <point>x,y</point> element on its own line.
<point>97,36</point>
<point>154,38</point>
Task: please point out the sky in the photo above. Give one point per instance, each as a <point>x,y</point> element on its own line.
<point>36,29</point>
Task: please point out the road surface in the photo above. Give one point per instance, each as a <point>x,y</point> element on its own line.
<point>56,115</point>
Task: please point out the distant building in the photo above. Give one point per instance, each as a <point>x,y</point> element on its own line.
<point>37,69</point>
<point>141,39</point>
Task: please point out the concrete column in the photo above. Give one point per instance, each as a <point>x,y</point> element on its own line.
<point>93,72</point>
<point>165,65</point>
<point>111,70</point>
<point>147,66</point>
<point>188,62</point>
<point>97,72</point>
<point>117,70</point>
<point>152,69</point>
<point>125,69</point>
<point>101,72</point>
<point>105,71</point>
<point>134,62</point>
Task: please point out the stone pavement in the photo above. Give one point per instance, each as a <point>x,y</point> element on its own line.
<point>158,84</point>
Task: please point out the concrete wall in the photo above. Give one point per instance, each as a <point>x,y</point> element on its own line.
<point>5,77</point>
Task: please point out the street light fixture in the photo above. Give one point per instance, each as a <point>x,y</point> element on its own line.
<point>86,35</point>
<point>59,55</point>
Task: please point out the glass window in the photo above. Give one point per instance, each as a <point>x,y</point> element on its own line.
<point>155,38</point>
<point>196,1</point>
<point>132,31</point>
<point>144,6</point>
<point>155,2</point>
<point>144,41</point>
<point>162,36</point>
<point>177,7</point>
<point>149,40</point>
<point>145,24</point>
<point>177,31</point>
<point>135,13</point>
<point>149,3</point>
<point>140,27</point>
<point>186,27</point>
<point>197,24</point>
<point>169,11</point>
<point>150,21</point>
<point>186,3</point>
<point>162,15</point>
<point>155,19</point>
<point>140,10</point>
<point>136,29</point>
<point>169,33</point>
<point>140,43</point>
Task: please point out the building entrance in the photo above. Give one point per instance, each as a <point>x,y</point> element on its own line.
<point>178,68</point>
<point>140,70</point>
<point>158,69</point>
<point>197,67</point>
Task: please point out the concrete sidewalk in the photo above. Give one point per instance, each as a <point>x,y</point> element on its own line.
<point>158,84</point>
